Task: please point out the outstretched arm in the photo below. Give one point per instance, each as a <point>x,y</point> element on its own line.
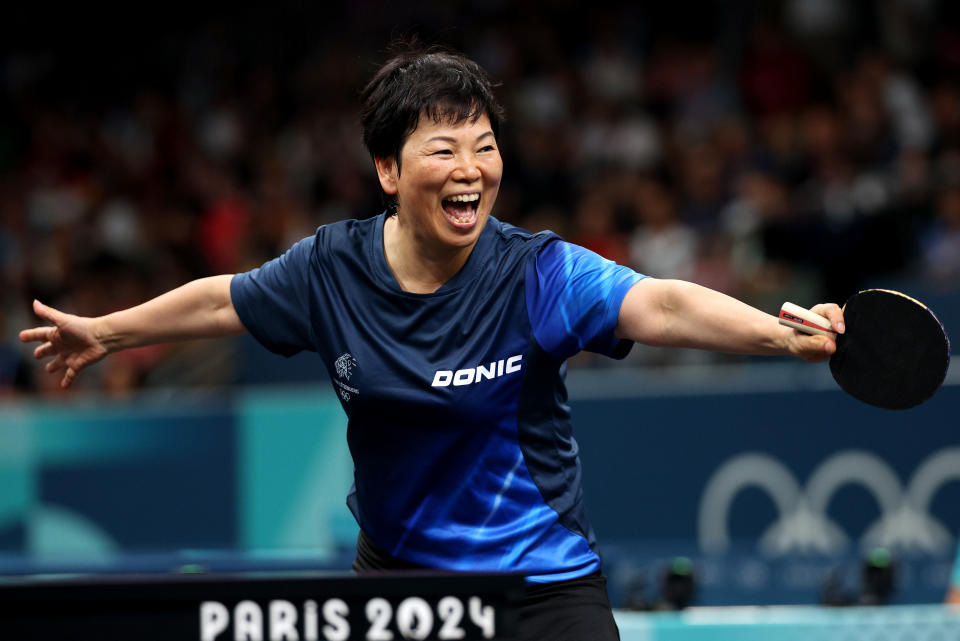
<point>676,313</point>
<point>199,309</point>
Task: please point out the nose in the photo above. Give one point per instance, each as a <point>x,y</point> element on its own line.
<point>467,169</point>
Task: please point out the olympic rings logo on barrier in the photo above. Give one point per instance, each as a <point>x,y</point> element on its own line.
<point>905,521</point>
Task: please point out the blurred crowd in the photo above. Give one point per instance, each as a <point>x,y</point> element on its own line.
<point>791,150</point>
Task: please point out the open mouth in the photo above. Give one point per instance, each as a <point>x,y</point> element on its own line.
<point>461,209</point>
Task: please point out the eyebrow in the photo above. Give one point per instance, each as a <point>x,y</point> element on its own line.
<point>451,139</point>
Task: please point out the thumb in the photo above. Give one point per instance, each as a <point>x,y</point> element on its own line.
<point>46,312</point>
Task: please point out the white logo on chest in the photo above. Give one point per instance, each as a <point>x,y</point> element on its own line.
<point>344,366</point>
<point>470,375</point>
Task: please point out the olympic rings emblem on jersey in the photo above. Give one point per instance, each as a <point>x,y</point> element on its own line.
<point>344,366</point>
<point>803,525</point>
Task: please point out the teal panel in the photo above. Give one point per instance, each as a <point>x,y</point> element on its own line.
<point>294,471</point>
<point>94,430</point>
<point>793,623</point>
<point>17,475</point>
<point>57,533</point>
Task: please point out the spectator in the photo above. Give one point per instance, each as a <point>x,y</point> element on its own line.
<point>213,146</point>
<point>662,245</point>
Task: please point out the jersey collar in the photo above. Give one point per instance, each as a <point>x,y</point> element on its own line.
<point>467,274</point>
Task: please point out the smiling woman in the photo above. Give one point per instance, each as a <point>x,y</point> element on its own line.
<point>449,183</point>
<point>430,123</point>
<point>445,333</point>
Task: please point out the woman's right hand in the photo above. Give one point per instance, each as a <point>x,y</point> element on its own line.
<point>72,341</point>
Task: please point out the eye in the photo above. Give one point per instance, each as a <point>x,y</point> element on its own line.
<point>445,152</point>
<point>487,148</point>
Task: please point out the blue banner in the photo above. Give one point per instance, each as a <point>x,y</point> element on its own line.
<point>772,493</point>
<point>775,494</point>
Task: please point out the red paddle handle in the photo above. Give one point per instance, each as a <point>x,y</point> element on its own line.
<point>804,320</point>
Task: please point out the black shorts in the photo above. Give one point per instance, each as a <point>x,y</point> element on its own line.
<point>572,610</point>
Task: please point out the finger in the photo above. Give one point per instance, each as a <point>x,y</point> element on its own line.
<point>55,316</point>
<point>37,334</point>
<point>55,365</point>
<point>76,362</point>
<point>815,348</point>
<point>42,351</point>
<point>826,345</point>
<point>833,313</point>
<point>68,377</point>
<point>829,346</point>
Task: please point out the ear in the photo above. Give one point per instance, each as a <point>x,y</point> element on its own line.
<point>387,173</point>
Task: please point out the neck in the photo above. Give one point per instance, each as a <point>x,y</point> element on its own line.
<point>419,267</point>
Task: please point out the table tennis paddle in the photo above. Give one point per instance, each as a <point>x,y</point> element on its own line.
<point>894,353</point>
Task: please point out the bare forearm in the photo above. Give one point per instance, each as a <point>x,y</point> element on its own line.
<point>681,314</point>
<point>199,309</point>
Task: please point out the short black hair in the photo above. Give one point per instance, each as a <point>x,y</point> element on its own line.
<point>435,82</point>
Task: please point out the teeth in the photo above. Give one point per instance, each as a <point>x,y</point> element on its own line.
<point>464,198</point>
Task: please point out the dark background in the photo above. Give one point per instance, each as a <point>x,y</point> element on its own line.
<point>786,150</point>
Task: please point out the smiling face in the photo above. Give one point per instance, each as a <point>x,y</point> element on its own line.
<point>446,183</point>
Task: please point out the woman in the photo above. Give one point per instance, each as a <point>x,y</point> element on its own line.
<point>445,333</point>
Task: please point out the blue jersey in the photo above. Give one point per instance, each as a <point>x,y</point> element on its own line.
<point>463,449</point>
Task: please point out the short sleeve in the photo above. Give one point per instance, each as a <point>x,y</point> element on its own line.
<point>573,300</point>
<point>273,301</point>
